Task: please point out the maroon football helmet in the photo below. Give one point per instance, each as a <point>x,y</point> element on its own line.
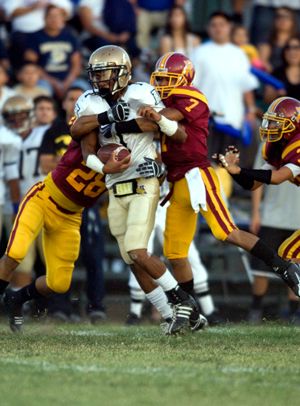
<point>172,70</point>
<point>281,120</point>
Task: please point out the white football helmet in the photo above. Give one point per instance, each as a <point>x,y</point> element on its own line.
<point>17,113</point>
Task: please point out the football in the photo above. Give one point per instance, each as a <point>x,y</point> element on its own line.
<point>104,153</point>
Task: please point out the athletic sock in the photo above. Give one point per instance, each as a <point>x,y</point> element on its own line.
<point>206,302</point>
<point>167,281</point>
<point>27,293</point>
<point>187,286</point>
<point>3,285</point>
<point>269,256</point>
<point>159,300</point>
<point>136,307</point>
<point>257,302</point>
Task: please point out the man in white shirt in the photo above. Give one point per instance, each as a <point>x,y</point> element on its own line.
<point>223,75</point>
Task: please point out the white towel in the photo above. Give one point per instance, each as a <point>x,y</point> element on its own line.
<point>197,189</point>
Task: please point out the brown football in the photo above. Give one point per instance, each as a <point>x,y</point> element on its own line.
<point>104,153</point>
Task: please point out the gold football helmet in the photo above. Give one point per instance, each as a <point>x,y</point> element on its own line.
<point>17,113</point>
<point>109,70</point>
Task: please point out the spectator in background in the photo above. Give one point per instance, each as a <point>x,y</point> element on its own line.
<point>45,110</point>
<point>288,72</point>
<point>223,75</point>
<point>151,14</point>
<point>4,61</point>
<point>274,219</point>
<point>240,37</point>
<point>284,27</point>
<point>263,12</point>
<point>27,16</point>
<point>177,36</point>
<point>5,91</point>
<point>108,22</point>
<point>28,77</point>
<point>56,50</point>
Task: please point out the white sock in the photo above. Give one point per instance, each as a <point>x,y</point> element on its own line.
<point>159,300</point>
<point>207,304</point>
<point>167,281</point>
<point>136,308</point>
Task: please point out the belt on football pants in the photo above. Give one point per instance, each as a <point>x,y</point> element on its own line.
<point>61,209</point>
<point>125,188</point>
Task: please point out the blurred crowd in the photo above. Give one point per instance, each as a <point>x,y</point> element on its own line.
<point>246,53</point>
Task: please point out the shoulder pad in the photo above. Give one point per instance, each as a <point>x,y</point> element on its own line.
<point>142,94</point>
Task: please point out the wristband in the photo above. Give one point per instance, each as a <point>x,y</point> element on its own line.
<point>15,207</point>
<point>103,118</point>
<point>168,127</point>
<point>93,162</point>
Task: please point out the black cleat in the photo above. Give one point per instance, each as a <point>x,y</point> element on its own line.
<point>14,311</point>
<point>132,320</point>
<point>199,323</point>
<point>291,276</point>
<point>181,316</point>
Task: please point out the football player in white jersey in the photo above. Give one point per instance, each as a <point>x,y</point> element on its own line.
<point>132,199</point>
<point>10,145</point>
<point>18,116</point>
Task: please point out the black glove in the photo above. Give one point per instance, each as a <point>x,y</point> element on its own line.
<point>150,169</point>
<point>108,130</point>
<point>119,112</point>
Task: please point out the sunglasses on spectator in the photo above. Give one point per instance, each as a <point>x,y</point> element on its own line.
<point>294,47</point>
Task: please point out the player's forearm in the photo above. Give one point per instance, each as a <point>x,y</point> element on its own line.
<point>82,126</point>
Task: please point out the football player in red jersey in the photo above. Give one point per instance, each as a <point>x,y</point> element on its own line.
<point>195,186</point>
<point>280,130</point>
<point>53,206</point>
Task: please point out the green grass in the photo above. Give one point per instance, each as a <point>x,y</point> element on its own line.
<point>112,365</point>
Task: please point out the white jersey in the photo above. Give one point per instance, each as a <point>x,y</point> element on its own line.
<point>30,171</point>
<point>10,145</point>
<point>137,95</point>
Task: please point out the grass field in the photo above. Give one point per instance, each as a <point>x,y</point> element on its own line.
<point>113,365</point>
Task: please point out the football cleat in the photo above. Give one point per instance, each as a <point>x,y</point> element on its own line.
<point>199,323</point>
<point>14,311</point>
<point>132,320</point>
<point>291,276</point>
<point>182,313</point>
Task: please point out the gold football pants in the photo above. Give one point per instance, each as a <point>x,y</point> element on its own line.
<point>181,219</point>
<point>290,248</point>
<point>60,233</point>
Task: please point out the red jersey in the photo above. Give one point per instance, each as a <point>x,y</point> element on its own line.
<point>72,184</point>
<point>282,153</point>
<point>180,158</point>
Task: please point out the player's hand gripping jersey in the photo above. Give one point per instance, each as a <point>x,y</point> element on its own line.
<point>140,145</point>
<point>180,158</point>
